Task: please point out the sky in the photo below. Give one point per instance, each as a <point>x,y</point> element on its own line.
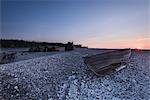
<point>92,23</point>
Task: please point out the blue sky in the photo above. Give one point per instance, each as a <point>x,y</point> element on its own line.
<point>95,23</point>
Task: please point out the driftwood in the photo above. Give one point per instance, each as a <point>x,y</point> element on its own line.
<point>104,62</point>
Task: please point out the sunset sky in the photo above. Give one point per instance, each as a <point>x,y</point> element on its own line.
<point>92,23</point>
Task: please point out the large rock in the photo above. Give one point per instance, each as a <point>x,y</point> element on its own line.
<point>43,49</point>
<point>7,57</point>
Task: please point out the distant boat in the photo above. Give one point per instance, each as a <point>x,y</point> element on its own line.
<point>101,63</point>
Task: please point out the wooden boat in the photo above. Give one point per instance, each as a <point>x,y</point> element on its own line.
<point>101,63</point>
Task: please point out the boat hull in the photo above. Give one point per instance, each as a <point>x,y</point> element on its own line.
<point>103,62</point>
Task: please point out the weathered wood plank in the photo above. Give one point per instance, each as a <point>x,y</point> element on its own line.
<point>107,55</point>
<point>105,61</point>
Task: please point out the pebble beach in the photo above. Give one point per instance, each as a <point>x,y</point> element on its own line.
<point>65,76</point>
